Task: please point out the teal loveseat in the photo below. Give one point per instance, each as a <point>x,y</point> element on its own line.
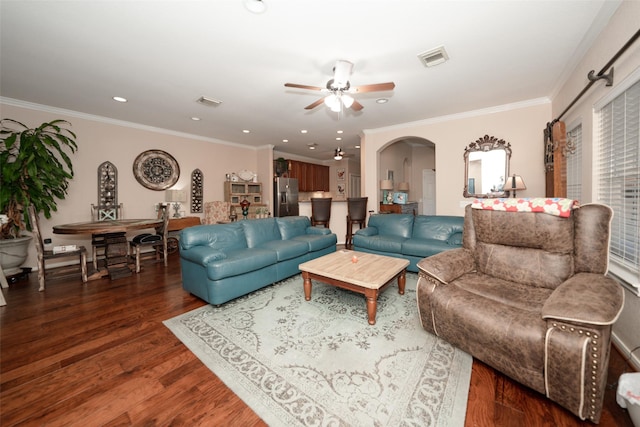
<point>412,237</point>
<point>221,262</point>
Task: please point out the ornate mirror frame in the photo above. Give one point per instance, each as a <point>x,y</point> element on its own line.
<point>487,148</point>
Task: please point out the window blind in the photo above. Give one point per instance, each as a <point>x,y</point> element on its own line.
<point>618,175</point>
<point>574,164</point>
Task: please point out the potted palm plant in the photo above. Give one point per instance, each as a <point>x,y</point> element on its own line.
<point>36,169</point>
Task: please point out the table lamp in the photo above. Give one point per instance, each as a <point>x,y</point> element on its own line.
<point>514,183</point>
<point>386,185</point>
<point>176,197</point>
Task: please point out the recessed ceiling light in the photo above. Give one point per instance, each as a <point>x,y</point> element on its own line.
<point>339,131</point>
<point>312,146</point>
<point>255,6</point>
<point>195,119</point>
<point>246,131</point>
<point>338,139</point>
<point>285,140</point>
<point>357,146</point>
<point>303,131</point>
<point>119,99</point>
<point>382,100</point>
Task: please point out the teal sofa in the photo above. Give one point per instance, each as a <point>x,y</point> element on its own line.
<point>221,262</point>
<point>412,237</point>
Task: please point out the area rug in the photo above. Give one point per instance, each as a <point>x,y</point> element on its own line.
<point>319,363</point>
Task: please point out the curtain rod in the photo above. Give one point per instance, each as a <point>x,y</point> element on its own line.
<point>600,75</point>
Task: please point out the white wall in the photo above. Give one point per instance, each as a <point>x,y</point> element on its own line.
<point>99,141</point>
<point>621,27</point>
<point>521,125</point>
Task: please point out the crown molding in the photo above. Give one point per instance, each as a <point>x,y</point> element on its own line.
<point>463,115</point>
<point>123,123</point>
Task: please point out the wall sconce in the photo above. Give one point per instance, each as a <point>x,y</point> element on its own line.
<point>386,185</point>
<point>176,197</point>
<point>514,183</point>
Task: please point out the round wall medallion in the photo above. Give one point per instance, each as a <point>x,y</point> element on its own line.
<point>156,169</point>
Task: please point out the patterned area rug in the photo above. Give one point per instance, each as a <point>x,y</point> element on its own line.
<point>319,363</point>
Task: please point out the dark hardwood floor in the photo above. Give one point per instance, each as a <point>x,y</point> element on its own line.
<point>98,354</point>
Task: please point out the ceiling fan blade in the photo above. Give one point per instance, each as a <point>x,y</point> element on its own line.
<point>373,88</point>
<point>314,105</point>
<point>303,86</point>
<point>356,106</point>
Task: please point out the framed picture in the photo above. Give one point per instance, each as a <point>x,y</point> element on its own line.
<point>341,174</point>
<point>341,188</point>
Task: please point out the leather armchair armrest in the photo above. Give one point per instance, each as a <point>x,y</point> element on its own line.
<point>448,265</point>
<point>202,255</point>
<point>368,231</point>
<point>587,298</point>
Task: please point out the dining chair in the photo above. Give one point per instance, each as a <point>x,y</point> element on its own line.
<point>98,241</point>
<point>356,214</point>
<point>320,211</point>
<point>44,255</point>
<point>158,241</point>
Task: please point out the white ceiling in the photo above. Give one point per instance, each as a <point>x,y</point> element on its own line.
<point>162,56</point>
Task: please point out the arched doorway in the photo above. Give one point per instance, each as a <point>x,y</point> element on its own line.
<point>411,160</point>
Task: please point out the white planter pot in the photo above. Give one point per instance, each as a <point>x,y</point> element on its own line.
<point>13,253</point>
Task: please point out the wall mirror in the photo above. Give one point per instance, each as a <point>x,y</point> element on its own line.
<point>486,164</point>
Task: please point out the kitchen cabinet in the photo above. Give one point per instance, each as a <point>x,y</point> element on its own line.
<point>311,177</point>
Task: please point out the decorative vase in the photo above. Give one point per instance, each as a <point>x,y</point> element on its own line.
<point>13,253</point>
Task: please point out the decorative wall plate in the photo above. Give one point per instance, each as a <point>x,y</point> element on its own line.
<point>245,175</point>
<point>156,169</point>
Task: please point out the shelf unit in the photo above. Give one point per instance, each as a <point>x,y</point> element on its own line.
<point>236,192</point>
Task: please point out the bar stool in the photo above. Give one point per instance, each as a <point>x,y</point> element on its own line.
<point>320,211</point>
<point>356,214</point>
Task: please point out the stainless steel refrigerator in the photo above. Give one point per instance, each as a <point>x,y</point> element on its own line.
<point>285,193</point>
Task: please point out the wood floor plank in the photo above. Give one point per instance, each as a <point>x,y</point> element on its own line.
<point>98,354</point>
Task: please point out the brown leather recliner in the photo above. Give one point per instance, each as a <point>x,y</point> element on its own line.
<point>527,294</point>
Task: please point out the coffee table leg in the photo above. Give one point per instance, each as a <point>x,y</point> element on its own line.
<point>372,304</point>
<point>307,285</point>
<point>402,280</point>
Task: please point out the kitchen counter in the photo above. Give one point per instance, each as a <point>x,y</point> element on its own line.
<point>338,221</point>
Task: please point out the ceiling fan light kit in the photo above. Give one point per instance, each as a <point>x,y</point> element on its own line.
<point>338,155</point>
<point>339,89</point>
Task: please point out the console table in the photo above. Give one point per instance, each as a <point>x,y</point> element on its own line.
<point>407,208</point>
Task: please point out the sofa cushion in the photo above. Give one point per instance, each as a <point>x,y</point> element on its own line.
<point>224,237</point>
<point>317,242</point>
<point>399,225</point>
<point>424,247</point>
<point>258,231</point>
<point>438,227</point>
<point>292,226</point>
<point>240,261</point>
<point>380,243</point>
<point>286,249</point>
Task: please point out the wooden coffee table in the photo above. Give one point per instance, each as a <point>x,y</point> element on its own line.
<point>370,275</point>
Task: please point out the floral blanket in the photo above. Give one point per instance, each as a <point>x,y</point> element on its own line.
<point>552,205</point>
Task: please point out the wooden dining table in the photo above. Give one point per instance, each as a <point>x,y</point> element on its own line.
<point>113,234</point>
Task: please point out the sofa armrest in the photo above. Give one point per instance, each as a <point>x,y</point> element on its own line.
<point>588,298</point>
<point>368,231</point>
<point>202,255</point>
<point>318,230</point>
<point>448,265</point>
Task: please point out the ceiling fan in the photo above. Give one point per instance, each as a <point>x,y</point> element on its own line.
<point>339,89</point>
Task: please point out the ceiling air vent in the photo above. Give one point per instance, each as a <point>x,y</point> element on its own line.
<point>433,57</point>
<point>209,102</point>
